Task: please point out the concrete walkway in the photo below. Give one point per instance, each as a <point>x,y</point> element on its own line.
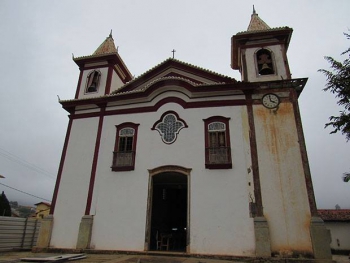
<point>14,257</point>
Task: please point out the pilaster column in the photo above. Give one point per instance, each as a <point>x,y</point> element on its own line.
<point>85,229</point>
<point>320,238</point>
<point>262,237</point>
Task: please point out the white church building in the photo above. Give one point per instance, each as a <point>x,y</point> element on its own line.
<point>183,159</point>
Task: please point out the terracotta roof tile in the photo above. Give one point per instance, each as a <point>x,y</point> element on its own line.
<point>256,23</point>
<point>181,62</point>
<point>106,47</point>
<point>266,30</point>
<point>334,214</point>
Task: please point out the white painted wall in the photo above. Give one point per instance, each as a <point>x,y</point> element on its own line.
<point>280,67</point>
<point>219,199</point>
<point>116,82</point>
<point>284,193</point>
<point>219,208</point>
<point>73,190</point>
<point>340,235</point>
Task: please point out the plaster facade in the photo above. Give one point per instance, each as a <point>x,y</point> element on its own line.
<point>283,186</point>
<point>340,235</point>
<point>73,190</point>
<point>191,150</point>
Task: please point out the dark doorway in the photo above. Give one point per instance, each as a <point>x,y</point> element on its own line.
<point>169,212</point>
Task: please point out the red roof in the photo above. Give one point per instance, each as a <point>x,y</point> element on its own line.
<point>334,214</point>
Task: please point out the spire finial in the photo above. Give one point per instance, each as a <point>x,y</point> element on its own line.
<point>110,34</point>
<point>254,10</point>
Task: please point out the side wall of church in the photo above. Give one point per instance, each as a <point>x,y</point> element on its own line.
<point>219,217</point>
<point>73,189</point>
<point>284,193</point>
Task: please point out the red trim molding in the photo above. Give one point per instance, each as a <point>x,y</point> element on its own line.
<point>230,89</point>
<point>254,157</point>
<point>286,64</point>
<point>94,162</point>
<point>154,108</point>
<point>174,64</point>
<point>79,84</point>
<point>59,174</point>
<point>303,152</point>
<point>109,80</point>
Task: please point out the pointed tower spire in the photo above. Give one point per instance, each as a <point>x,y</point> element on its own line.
<point>107,66</point>
<point>256,23</point>
<point>106,47</point>
<point>258,52</point>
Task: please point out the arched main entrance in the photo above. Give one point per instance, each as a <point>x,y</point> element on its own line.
<point>168,209</point>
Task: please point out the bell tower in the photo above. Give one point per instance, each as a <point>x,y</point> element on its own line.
<point>102,72</point>
<point>260,53</point>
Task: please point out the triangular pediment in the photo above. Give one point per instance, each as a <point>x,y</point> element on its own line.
<point>173,68</point>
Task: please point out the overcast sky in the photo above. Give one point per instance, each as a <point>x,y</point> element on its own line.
<point>37,39</point>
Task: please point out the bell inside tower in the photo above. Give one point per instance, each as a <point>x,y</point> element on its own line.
<point>265,65</point>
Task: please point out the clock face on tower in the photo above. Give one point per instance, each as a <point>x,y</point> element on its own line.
<point>270,100</point>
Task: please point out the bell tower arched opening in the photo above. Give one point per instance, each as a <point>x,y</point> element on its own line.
<point>264,61</point>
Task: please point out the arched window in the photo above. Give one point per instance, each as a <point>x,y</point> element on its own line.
<point>264,61</point>
<point>217,143</point>
<point>125,147</point>
<point>93,81</point>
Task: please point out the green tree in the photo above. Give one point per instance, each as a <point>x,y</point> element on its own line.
<point>24,211</point>
<point>5,209</point>
<point>346,177</point>
<point>338,83</point>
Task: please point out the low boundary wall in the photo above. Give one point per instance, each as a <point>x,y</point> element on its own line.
<point>18,233</point>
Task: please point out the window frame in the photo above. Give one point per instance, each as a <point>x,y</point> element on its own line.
<point>225,121</point>
<point>116,151</point>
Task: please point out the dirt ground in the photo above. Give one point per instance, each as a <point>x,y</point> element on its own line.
<point>15,257</point>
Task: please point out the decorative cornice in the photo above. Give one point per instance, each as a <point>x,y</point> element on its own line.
<point>141,77</point>
<point>264,30</point>
<point>94,56</point>
<point>141,90</point>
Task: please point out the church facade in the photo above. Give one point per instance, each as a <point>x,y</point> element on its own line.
<point>184,159</point>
